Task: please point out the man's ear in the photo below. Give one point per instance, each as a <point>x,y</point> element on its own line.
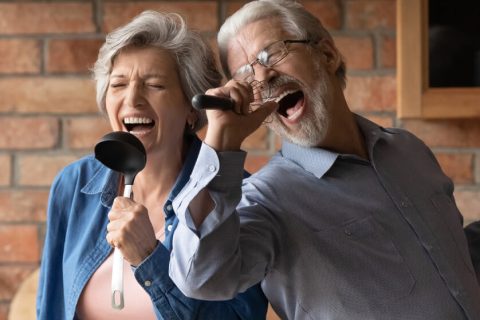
<point>333,58</point>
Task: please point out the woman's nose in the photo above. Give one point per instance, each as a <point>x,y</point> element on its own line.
<point>134,97</point>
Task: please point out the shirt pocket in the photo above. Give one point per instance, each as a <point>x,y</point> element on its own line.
<point>450,226</point>
<point>365,268</point>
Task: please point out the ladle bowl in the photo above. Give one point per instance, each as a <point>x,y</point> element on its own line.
<point>122,152</point>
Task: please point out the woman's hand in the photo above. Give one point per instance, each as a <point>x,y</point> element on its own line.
<point>226,129</point>
<point>130,230</point>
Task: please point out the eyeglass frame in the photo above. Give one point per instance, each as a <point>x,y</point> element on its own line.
<point>258,59</point>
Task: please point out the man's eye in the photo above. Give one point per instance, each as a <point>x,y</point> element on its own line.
<point>156,85</point>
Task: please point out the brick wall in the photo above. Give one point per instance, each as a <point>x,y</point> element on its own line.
<point>49,118</point>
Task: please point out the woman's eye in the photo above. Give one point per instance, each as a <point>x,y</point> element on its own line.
<point>117,85</point>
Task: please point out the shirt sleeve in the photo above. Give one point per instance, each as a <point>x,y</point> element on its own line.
<point>170,303</point>
<point>50,291</point>
<point>230,251</point>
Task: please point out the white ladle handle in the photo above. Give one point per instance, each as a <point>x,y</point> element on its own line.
<point>117,268</point>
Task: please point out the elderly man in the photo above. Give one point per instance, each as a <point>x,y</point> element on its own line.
<point>348,221</point>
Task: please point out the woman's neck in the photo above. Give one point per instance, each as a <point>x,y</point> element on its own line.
<point>154,183</point>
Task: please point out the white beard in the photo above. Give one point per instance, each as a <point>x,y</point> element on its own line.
<point>312,128</point>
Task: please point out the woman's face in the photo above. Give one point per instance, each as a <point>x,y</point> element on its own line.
<point>145,97</point>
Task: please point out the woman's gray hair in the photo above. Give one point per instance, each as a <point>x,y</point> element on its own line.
<point>194,58</point>
<point>294,18</point>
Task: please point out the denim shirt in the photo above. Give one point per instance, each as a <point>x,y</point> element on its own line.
<point>75,246</point>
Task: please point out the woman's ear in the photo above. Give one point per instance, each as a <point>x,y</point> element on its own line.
<point>192,119</point>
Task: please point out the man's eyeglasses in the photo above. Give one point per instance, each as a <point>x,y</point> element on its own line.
<point>268,57</point>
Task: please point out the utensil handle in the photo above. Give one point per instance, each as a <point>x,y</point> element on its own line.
<point>117,280</point>
<point>117,268</point>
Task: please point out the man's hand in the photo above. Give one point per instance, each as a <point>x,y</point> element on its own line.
<point>227,129</point>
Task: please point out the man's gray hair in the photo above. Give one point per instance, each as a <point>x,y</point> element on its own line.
<point>194,58</point>
<point>294,18</point>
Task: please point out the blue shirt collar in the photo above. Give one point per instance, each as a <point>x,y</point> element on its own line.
<point>318,161</point>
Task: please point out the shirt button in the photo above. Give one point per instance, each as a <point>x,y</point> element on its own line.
<point>169,207</point>
<point>147,283</point>
<point>169,227</point>
<point>211,168</point>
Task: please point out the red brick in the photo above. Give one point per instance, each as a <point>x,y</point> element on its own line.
<point>83,133</point>
<point>388,52</point>
<point>19,56</point>
<point>446,133</point>
<point>40,170</point>
<point>385,121</point>
<point>254,162</point>
<point>258,140</point>
<point>358,52</point>
<point>5,164</point>
<point>327,11</point>
<point>201,16</point>
<point>19,243</point>
<point>278,142</point>
<point>468,201</point>
<point>23,205</point>
<point>28,133</point>
<point>477,168</point>
<point>48,17</point>
<point>370,14</point>
<point>50,95</point>
<point>375,93</point>
<point>11,278</point>
<point>458,166</point>
<point>233,6</point>
<point>72,55</point>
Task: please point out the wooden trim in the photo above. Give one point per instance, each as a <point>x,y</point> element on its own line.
<point>415,99</point>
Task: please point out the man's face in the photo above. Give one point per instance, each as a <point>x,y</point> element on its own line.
<point>301,82</point>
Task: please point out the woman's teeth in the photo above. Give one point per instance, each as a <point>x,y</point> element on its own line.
<point>134,120</point>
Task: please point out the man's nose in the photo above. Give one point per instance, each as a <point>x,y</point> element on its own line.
<point>263,73</point>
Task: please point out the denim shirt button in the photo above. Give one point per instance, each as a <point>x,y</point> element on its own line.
<point>169,227</point>
<point>147,283</point>
<point>169,207</point>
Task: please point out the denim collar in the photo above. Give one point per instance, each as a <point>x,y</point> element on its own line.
<point>105,181</point>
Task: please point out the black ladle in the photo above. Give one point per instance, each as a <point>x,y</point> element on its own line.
<point>124,153</point>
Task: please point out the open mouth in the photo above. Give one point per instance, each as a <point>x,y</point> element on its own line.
<point>138,124</point>
<point>288,101</point>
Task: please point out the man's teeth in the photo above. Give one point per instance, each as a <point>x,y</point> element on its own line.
<point>283,95</point>
<point>134,120</point>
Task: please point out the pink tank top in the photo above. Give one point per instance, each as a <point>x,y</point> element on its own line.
<point>95,301</point>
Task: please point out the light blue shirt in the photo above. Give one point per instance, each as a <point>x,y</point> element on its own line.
<point>75,246</point>
<point>331,236</point>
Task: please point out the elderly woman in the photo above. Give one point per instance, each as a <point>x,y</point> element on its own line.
<point>146,75</point>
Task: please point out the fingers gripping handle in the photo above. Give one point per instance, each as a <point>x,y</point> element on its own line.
<point>204,101</point>
<point>117,268</point>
